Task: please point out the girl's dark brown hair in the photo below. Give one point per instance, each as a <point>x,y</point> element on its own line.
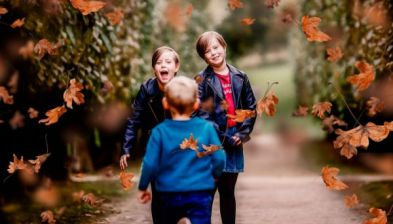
<point>159,51</point>
<point>204,40</point>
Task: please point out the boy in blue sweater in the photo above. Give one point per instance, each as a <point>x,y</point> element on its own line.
<point>183,158</point>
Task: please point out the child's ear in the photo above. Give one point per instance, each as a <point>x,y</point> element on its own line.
<point>196,105</point>
<point>165,104</point>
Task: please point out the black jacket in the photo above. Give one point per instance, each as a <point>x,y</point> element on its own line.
<point>243,98</point>
<point>147,113</point>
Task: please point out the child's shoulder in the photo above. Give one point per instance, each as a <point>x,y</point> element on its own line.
<point>200,122</point>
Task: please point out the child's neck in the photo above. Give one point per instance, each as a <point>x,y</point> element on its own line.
<point>222,69</point>
<point>180,117</point>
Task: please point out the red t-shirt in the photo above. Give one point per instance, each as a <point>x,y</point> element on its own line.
<point>226,85</point>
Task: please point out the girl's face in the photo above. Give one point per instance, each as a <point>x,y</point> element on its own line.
<point>215,54</point>
<point>165,68</point>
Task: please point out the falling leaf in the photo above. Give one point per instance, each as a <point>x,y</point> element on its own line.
<point>380,217</point>
<point>374,105</point>
<point>44,46</point>
<point>351,201</point>
<point>328,123</point>
<point>126,180</point>
<point>198,79</point>
<point>329,177</point>
<point>86,7</point>
<point>241,115</point>
<point>77,196</point>
<point>388,125</point>
<point>301,111</point>
<point>3,11</point>
<point>362,80</point>
<point>17,120</point>
<point>47,195</point>
<point>267,104</point>
<point>319,109</point>
<point>189,143</point>
<point>248,21</point>
<point>72,93</point>
<point>47,216</point>
<point>235,4</point>
<point>18,23</point>
<point>33,113</point>
<point>16,164</point>
<point>4,95</point>
<point>92,200</point>
<point>27,50</point>
<point>115,17</point>
<point>53,115</point>
<point>175,17</point>
<point>272,3</point>
<point>311,30</point>
<point>39,161</point>
<point>189,10</point>
<point>334,54</point>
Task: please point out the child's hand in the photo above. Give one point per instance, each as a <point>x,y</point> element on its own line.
<point>144,196</point>
<point>237,140</point>
<point>123,161</point>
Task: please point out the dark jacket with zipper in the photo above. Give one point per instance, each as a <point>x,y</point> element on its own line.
<point>147,113</point>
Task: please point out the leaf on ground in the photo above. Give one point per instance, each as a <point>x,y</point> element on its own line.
<point>241,115</point>
<point>115,17</point>
<point>380,216</point>
<point>329,177</point>
<point>92,200</point>
<point>17,164</point>
<point>235,4</point>
<point>366,76</point>
<point>310,29</point>
<point>39,161</point>
<point>126,180</point>
<point>319,109</point>
<point>301,111</point>
<point>53,115</point>
<point>374,105</point>
<point>351,200</point>
<point>247,21</point>
<point>267,104</point>
<point>47,216</point>
<point>5,96</point>
<point>334,54</point>
<point>73,94</point>
<point>190,143</point>
<point>18,23</point>
<point>86,7</point>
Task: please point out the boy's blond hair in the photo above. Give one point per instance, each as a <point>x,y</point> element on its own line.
<point>181,94</point>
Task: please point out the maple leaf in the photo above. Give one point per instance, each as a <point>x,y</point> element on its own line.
<point>53,115</point>
<point>207,150</point>
<point>3,11</point>
<point>115,17</point>
<point>388,125</point>
<point>33,113</point>
<point>235,4</point>
<point>189,10</point>
<point>17,120</point>
<point>72,93</point>
<point>16,164</point>
<point>198,79</point>
<point>247,21</point>
<point>311,30</point>
<point>189,143</point>
<point>319,109</point>
<point>301,111</point>
<point>351,201</point>
<point>27,50</point>
<point>4,95</point>
<point>329,177</point>
<point>267,104</point>
<point>328,123</point>
<point>241,115</point>
<point>39,161</point>
<point>271,3</point>
<point>87,7</point>
<point>374,105</point>
<point>47,216</point>
<point>380,216</point>
<point>334,54</point>
<point>362,80</point>
<point>18,23</point>
<point>126,180</point>
<point>44,46</point>
<point>92,200</point>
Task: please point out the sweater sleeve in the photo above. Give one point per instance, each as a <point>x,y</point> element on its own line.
<point>219,156</point>
<point>150,163</point>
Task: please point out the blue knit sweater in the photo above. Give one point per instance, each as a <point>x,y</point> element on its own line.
<point>180,170</point>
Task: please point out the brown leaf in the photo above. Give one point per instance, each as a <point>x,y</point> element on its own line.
<point>374,105</point>
<point>235,4</point>
<point>176,17</point>
<point>47,216</point>
<point>72,93</point>
<point>271,3</point>
<point>267,104</point>
<point>247,21</point>
<point>39,161</point>
<point>33,113</point>
<point>380,216</point>
<point>189,10</point>
<point>47,195</point>
<point>311,30</point>
<point>241,115</point>
<point>329,177</point>
<point>328,123</point>
<point>77,196</point>
<point>4,95</point>
<point>53,115</point>
<point>362,80</point>
<point>189,143</point>
<point>27,50</point>
<point>18,23</point>
<point>86,7</point>
<point>388,125</point>
<point>319,109</point>
<point>16,164</point>
<point>301,111</point>
<point>126,180</point>
<point>207,150</point>
<point>44,46</point>
<point>198,79</point>
<point>115,17</point>
<point>17,121</point>
<point>3,11</point>
<point>351,201</point>
<point>92,200</point>
<point>334,54</point>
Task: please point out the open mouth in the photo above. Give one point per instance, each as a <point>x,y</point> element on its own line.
<point>164,73</point>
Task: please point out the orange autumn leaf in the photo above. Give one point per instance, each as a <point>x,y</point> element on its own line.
<point>241,115</point>
<point>92,200</point>
<point>247,21</point>
<point>53,115</point>
<point>175,17</point>
<point>47,216</point>
<point>115,17</point>
<point>388,125</point>
<point>329,177</point>
<point>77,196</point>
<point>362,80</point>
<point>319,109</point>
<point>235,4</point>
<point>334,54</point>
<point>301,111</point>
<point>33,113</point>
<point>267,104</point>
<point>311,30</point>
<point>198,79</point>
<point>39,161</point>
<point>4,95</point>
<point>374,105</point>
<point>3,11</point>
<point>328,123</point>
<point>207,150</point>
<point>72,93</point>
<point>16,164</point>
<point>86,7</point>
<point>27,50</point>
<point>189,143</point>
<point>189,10</point>
<point>351,201</point>
<point>271,3</point>
<point>380,216</point>
<point>18,23</point>
<point>126,180</point>
<point>44,46</point>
